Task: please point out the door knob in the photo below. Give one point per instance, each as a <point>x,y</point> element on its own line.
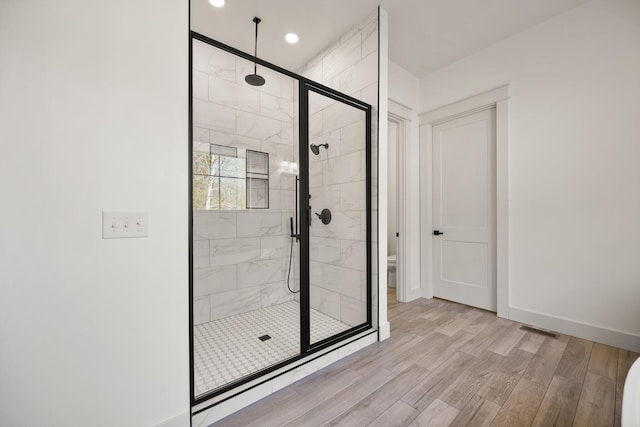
<point>437,232</point>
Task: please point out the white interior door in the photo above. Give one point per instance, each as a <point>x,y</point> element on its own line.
<point>464,218</point>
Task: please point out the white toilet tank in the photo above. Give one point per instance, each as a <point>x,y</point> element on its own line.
<point>391,271</point>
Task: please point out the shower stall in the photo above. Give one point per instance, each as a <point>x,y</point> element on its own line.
<point>281,225</point>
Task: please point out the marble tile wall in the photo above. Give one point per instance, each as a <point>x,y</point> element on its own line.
<point>241,257</point>
<point>337,175</point>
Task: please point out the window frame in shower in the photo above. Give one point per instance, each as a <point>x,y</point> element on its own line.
<point>306,347</point>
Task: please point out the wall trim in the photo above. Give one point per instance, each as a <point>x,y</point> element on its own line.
<point>400,110</point>
<point>383,111</point>
<point>498,98</point>
<point>177,421</point>
<point>399,115</point>
<point>465,106</point>
<point>577,329</point>
<point>384,331</point>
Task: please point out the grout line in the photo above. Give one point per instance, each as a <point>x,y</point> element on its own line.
<point>581,383</point>
<point>217,363</point>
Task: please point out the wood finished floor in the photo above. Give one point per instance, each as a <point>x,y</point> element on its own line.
<point>447,364</point>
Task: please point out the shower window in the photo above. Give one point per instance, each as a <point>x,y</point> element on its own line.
<point>257,180</point>
<point>229,178</point>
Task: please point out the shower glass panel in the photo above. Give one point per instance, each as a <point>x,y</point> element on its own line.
<point>281,218</point>
<point>246,310</point>
<point>338,207</point>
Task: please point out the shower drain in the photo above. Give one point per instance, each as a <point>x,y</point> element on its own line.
<point>264,337</point>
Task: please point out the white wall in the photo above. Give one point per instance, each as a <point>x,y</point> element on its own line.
<point>574,180</point>
<point>404,89</point>
<point>93,117</point>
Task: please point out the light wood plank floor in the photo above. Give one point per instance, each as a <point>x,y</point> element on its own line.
<point>447,364</point>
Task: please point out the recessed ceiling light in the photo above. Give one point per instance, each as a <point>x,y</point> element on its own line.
<point>217,3</point>
<point>291,38</point>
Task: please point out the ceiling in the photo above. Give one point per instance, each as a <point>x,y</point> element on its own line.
<point>424,35</point>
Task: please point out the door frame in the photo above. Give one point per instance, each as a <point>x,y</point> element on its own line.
<point>401,115</point>
<point>305,87</point>
<point>497,98</point>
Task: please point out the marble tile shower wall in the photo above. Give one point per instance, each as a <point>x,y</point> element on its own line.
<point>337,175</point>
<point>241,257</point>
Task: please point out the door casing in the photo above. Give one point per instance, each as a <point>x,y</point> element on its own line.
<point>399,116</point>
<point>469,233</point>
<point>498,98</point>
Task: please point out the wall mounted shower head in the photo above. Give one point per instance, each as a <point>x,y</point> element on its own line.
<point>315,149</point>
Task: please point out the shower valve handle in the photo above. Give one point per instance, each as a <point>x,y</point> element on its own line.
<point>325,216</point>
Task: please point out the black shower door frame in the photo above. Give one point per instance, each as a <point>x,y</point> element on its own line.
<point>306,347</point>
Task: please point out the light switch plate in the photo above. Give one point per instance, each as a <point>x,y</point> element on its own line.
<point>122,225</point>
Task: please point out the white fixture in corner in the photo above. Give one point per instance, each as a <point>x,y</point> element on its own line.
<point>291,38</point>
<point>122,225</point>
<point>216,3</point>
<point>631,397</point>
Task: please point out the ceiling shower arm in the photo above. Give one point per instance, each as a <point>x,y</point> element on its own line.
<point>254,79</point>
<point>255,65</point>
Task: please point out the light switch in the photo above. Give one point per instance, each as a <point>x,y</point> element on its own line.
<point>122,225</point>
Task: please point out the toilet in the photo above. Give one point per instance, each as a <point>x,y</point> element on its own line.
<point>391,271</point>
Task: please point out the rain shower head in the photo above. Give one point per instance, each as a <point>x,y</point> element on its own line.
<point>315,149</point>
<point>254,79</point>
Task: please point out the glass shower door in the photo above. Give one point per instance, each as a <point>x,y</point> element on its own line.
<point>245,280</point>
<point>338,249</point>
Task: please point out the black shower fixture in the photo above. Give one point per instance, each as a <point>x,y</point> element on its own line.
<point>316,148</point>
<point>254,79</point>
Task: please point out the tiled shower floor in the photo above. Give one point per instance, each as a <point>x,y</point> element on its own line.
<point>229,348</point>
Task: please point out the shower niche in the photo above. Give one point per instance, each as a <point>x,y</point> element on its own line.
<point>271,280</point>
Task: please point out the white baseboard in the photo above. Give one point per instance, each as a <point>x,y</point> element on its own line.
<point>384,331</point>
<point>427,292</point>
<point>610,337</point>
<point>413,294</point>
<point>181,420</point>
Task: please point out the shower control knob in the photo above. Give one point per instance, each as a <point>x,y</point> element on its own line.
<point>325,216</point>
